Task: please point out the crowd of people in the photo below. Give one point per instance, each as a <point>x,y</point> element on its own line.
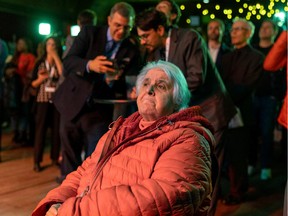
<point>205,108</point>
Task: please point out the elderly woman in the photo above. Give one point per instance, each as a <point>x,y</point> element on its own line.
<point>155,162</point>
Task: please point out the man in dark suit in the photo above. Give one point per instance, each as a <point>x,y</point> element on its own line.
<point>90,74</point>
<point>186,49</point>
<point>242,70</point>
<point>217,48</point>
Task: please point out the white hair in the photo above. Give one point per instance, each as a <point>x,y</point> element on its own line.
<point>181,93</point>
<point>249,25</point>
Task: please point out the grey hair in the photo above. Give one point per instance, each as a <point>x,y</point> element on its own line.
<point>124,9</point>
<point>181,93</point>
<point>250,26</point>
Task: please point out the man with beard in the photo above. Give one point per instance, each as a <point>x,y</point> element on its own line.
<point>268,95</point>
<point>172,11</point>
<point>217,48</point>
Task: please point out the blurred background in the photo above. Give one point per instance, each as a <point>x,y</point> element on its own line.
<point>22,17</point>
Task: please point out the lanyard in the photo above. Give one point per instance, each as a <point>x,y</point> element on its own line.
<point>51,69</point>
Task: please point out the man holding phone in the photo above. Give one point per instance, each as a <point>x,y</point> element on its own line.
<point>86,68</point>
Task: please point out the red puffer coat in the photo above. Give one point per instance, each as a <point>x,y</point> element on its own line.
<point>164,169</point>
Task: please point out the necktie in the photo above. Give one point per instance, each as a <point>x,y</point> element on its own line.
<point>110,47</point>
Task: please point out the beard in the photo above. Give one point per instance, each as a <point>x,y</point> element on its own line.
<point>214,37</point>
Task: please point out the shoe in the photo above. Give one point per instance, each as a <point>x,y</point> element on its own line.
<point>265,174</point>
<point>60,179</point>
<point>37,167</point>
<point>232,200</point>
<point>251,170</point>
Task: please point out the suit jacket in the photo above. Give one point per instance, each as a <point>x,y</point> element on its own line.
<point>222,51</point>
<point>242,70</point>
<point>80,85</point>
<point>189,52</point>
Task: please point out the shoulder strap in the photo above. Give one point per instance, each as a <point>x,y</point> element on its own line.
<point>108,143</point>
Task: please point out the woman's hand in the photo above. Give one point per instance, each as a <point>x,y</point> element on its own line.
<point>43,74</point>
<point>132,94</point>
<point>53,210</point>
<point>52,51</point>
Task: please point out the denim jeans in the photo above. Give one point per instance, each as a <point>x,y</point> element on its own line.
<point>265,111</point>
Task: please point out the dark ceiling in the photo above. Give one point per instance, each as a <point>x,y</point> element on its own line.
<point>22,17</point>
<point>19,17</point>
<point>65,9</point>
<point>16,13</point>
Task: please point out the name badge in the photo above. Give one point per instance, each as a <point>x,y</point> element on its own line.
<point>50,89</point>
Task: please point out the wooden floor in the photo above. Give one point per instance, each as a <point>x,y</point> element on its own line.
<point>22,188</point>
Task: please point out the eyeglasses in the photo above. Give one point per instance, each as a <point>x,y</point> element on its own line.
<point>240,28</point>
<point>143,37</point>
<point>146,34</point>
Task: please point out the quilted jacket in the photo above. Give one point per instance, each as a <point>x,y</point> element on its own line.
<point>164,169</point>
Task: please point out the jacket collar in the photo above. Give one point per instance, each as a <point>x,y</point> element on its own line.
<point>191,117</point>
<point>191,114</point>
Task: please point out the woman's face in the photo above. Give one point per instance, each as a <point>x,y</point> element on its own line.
<point>21,45</point>
<point>50,45</point>
<point>155,97</point>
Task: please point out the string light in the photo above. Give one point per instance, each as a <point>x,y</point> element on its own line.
<point>252,11</point>
<point>263,12</point>
<point>205,12</point>
<point>182,7</point>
